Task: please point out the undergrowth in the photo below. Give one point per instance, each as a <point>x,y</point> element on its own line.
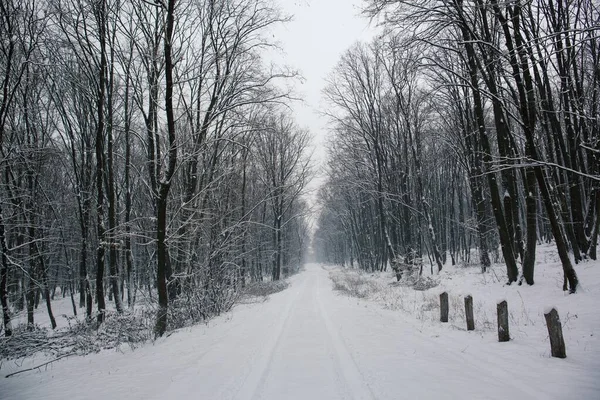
<point>80,337</point>
<point>413,297</point>
<point>263,289</point>
<point>132,329</point>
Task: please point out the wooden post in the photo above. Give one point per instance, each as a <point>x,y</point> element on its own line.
<point>444,307</point>
<point>557,342</point>
<point>503,334</point>
<point>469,313</point>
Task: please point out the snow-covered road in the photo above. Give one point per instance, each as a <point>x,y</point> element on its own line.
<point>305,358</point>
<point>309,342</point>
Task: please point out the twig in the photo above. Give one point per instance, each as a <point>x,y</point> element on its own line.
<point>41,365</point>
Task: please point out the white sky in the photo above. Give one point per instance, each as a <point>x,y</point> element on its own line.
<point>312,43</point>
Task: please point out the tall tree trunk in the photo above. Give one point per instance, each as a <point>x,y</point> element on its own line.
<point>111,195</point>
<point>4,278</point>
<point>127,172</point>
<point>46,288</point>
<point>100,12</point>
<point>276,271</point>
<point>30,299</point>
<point>243,269</point>
<point>84,204</point>
<point>165,183</point>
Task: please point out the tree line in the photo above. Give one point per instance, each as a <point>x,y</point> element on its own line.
<point>466,125</point>
<point>147,156</point>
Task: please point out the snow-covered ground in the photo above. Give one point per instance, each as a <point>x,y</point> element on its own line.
<point>311,342</point>
<point>579,314</point>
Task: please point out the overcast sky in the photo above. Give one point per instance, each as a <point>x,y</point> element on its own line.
<point>321,30</point>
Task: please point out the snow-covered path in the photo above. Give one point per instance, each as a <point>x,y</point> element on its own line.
<point>305,357</point>
<point>311,343</point>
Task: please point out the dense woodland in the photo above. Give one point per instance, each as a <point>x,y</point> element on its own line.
<point>148,153</point>
<point>147,157</point>
<point>467,132</point>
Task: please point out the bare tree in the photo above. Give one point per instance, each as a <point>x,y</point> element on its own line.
<point>282,155</point>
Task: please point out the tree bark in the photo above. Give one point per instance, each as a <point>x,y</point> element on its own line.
<point>165,183</point>
<point>3,278</point>
<point>111,193</point>
<point>100,12</point>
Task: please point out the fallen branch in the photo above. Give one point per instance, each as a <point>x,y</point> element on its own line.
<point>41,365</point>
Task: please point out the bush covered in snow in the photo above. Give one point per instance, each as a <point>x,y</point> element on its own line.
<point>79,337</point>
<point>354,283</point>
<point>263,289</point>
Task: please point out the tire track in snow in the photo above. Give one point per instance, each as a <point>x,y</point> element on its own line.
<point>255,380</point>
<point>348,369</point>
<point>341,381</point>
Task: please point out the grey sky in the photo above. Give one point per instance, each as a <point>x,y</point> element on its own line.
<point>313,43</point>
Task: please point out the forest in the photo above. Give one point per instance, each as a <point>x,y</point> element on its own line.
<point>299,199</point>
<point>467,132</point>
<point>147,157</point>
<point>150,156</point>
